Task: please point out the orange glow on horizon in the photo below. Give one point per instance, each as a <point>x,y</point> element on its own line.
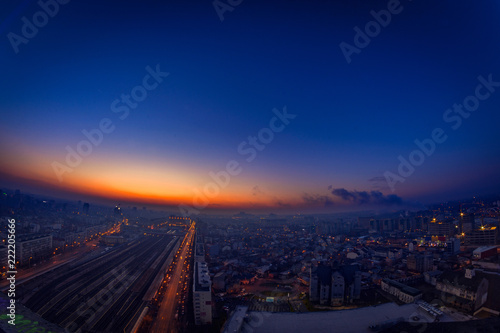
<point>143,184</point>
<point>152,181</point>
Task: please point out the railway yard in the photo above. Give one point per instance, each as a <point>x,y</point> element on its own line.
<point>103,291</point>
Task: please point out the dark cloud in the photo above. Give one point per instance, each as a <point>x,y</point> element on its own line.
<point>366,197</point>
<point>342,193</point>
<point>316,199</point>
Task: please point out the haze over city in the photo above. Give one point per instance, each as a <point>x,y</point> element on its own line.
<point>231,166</point>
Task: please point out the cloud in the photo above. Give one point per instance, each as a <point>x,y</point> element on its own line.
<point>316,199</point>
<point>342,193</point>
<point>256,191</point>
<point>366,197</point>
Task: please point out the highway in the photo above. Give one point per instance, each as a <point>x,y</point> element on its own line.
<point>102,294</point>
<point>166,320</point>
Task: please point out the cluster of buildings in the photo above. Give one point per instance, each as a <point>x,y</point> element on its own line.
<point>82,233</point>
<point>471,229</point>
<point>241,253</point>
<point>47,227</point>
<point>448,255</point>
<point>33,246</point>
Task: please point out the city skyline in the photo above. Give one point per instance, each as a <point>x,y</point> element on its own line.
<point>249,166</point>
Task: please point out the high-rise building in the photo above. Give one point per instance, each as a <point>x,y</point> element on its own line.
<point>32,247</point>
<point>117,211</point>
<point>334,286</point>
<point>86,207</point>
<point>321,279</point>
<point>467,222</point>
<point>338,287</point>
<point>202,294</point>
<point>485,235</point>
<point>441,228</point>
<point>199,248</point>
<point>352,278</point>
<point>365,222</point>
<point>453,246</point>
<point>313,285</point>
<point>419,262</point>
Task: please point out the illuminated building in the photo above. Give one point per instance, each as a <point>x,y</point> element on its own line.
<point>441,228</point>
<point>202,294</point>
<point>486,235</point>
<point>32,247</point>
<point>467,222</point>
<point>117,211</point>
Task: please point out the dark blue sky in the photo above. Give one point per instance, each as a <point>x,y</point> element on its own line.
<point>353,120</point>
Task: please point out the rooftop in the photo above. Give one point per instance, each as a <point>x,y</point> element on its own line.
<point>484,248</point>
<point>28,237</point>
<point>233,325</point>
<point>459,279</point>
<point>403,287</point>
<point>355,321</point>
<point>202,279</point>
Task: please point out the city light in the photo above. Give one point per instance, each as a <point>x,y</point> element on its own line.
<point>237,166</point>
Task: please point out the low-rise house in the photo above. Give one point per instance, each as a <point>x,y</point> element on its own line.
<point>467,292</point>
<point>403,292</point>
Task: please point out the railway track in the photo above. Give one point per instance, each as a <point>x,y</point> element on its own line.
<point>104,293</point>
